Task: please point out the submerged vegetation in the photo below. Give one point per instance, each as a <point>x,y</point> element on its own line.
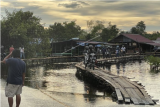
<point>154,63</point>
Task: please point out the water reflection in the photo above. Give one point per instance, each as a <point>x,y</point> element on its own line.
<point>108,67</point>
<point>118,68</point>
<point>68,86</point>
<point>34,77</point>
<point>90,94</point>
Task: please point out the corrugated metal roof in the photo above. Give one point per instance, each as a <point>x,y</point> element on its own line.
<point>90,42</point>
<point>138,38</point>
<point>158,39</point>
<point>154,44</point>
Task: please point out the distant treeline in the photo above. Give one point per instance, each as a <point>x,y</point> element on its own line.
<point>21,28</point>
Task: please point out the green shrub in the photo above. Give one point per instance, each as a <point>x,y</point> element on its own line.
<point>153,61</point>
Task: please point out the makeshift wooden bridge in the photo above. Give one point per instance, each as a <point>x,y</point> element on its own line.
<point>127,91</point>
<point>121,59</point>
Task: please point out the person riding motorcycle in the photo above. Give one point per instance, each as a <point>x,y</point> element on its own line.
<point>92,56</point>
<point>86,54</point>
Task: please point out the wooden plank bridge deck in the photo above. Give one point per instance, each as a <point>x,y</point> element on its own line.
<point>62,59</point>
<point>121,59</point>
<point>127,91</point>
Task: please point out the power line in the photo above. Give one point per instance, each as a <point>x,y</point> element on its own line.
<point>80,44</point>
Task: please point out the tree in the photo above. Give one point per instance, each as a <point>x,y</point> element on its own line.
<point>105,35</point>
<point>90,24</point>
<point>83,35</point>
<point>153,36</point>
<point>89,36</point>
<point>134,30</point>
<point>126,32</point>
<point>57,32</point>
<point>72,30</point>
<point>97,28</point>
<point>109,32</point>
<point>64,31</point>
<point>23,29</point>
<point>94,29</point>
<point>139,28</point>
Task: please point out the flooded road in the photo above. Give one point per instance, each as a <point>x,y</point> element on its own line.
<point>61,84</point>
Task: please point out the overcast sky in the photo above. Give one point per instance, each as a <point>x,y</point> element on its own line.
<point>123,13</point>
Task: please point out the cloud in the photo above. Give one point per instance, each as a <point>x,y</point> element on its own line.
<point>70,5</point>
<point>10,4</point>
<point>125,14</point>
<point>118,9</point>
<point>75,4</point>
<point>82,2</point>
<point>4,4</point>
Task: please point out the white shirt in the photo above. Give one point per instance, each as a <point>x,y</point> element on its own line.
<point>123,48</point>
<point>22,50</point>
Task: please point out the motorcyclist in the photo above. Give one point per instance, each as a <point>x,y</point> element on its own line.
<point>86,54</point>
<point>92,56</point>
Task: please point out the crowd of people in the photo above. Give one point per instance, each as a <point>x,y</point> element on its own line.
<point>22,55</point>
<point>120,51</point>
<point>91,54</point>
<point>106,51</point>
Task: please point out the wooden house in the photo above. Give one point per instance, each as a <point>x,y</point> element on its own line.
<point>135,42</point>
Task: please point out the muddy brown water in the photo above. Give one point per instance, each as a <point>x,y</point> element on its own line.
<point>61,84</point>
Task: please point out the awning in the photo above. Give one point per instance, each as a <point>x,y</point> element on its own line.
<point>98,45</point>
<point>81,43</point>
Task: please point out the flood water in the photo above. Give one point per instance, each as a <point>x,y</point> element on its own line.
<point>60,83</point>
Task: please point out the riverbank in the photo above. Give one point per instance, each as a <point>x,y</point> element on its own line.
<point>29,98</point>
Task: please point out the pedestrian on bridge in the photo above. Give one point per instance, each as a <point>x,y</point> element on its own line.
<point>109,51</point>
<point>22,53</point>
<point>117,51</point>
<point>98,52</point>
<point>11,49</point>
<point>103,51</point>
<point>123,50</point>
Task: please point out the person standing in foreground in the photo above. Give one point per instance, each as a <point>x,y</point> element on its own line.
<point>16,77</point>
<point>11,49</point>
